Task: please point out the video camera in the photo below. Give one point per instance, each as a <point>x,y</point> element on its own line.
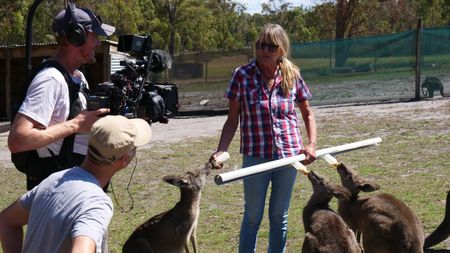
<point>130,91</point>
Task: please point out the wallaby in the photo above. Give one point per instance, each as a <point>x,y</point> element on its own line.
<point>386,224</point>
<point>443,230</point>
<point>430,84</point>
<point>326,232</point>
<point>171,231</point>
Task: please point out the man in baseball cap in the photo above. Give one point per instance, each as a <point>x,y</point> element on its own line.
<point>114,136</point>
<point>57,129</point>
<point>69,211</point>
<point>68,19</point>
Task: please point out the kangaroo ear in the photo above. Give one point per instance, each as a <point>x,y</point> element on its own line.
<point>341,193</point>
<point>170,179</point>
<point>176,180</point>
<point>181,182</point>
<point>368,187</point>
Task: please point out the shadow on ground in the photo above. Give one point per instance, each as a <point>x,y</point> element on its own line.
<point>437,251</point>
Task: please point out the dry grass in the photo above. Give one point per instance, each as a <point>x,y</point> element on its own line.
<point>412,163</point>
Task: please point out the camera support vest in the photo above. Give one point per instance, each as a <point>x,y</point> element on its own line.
<point>28,162</point>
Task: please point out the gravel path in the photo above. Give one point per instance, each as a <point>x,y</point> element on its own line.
<point>180,129</point>
<point>176,130</point>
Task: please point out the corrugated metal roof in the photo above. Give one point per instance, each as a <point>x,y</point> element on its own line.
<point>23,45</point>
<point>114,43</point>
<point>116,58</point>
<point>115,65</point>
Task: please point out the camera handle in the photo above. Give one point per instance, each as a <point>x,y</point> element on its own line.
<point>143,81</point>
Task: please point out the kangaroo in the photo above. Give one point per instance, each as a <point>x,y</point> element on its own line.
<point>326,232</point>
<point>171,231</point>
<point>430,84</point>
<point>387,225</point>
<point>443,230</point>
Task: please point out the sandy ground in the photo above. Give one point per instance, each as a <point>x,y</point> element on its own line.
<point>176,130</point>
<point>180,129</point>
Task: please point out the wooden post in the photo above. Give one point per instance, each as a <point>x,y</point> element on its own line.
<point>8,83</point>
<point>206,71</point>
<point>106,46</point>
<point>418,57</point>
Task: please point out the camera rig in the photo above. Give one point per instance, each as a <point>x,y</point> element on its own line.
<point>130,91</point>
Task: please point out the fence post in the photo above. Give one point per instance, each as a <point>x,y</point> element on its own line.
<point>206,71</point>
<point>418,57</point>
<point>7,80</point>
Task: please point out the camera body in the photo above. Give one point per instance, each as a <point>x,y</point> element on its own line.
<point>129,92</point>
<point>96,102</point>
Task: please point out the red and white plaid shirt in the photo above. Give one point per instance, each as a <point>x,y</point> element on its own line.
<point>268,120</point>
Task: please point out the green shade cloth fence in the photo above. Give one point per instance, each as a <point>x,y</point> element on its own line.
<point>356,70</point>
<point>373,68</point>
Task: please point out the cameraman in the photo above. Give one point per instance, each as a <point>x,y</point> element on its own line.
<point>49,117</point>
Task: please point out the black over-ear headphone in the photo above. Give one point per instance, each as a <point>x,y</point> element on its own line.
<point>76,33</point>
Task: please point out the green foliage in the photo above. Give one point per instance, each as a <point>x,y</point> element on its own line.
<point>11,21</point>
<point>193,25</point>
<point>196,32</point>
<point>130,16</point>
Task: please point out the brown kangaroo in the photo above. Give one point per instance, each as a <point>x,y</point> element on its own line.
<point>326,232</point>
<point>387,225</point>
<point>171,231</point>
<point>443,230</point>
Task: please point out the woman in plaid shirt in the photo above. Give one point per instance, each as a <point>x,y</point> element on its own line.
<point>262,97</point>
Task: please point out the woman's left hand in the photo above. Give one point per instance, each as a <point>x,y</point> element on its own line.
<point>310,153</point>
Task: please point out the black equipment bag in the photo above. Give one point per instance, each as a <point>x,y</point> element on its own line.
<point>28,162</point>
<point>155,107</point>
<point>169,92</point>
<point>161,101</point>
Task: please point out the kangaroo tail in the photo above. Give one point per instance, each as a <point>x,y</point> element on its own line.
<point>443,230</point>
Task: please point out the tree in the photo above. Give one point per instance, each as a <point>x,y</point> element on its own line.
<point>321,21</point>
<point>292,19</point>
<point>363,17</point>
<point>230,24</point>
<point>193,25</point>
<point>275,7</point>
<point>171,14</point>
<point>12,22</point>
<point>197,31</point>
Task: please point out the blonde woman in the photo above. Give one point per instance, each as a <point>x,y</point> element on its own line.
<point>262,97</point>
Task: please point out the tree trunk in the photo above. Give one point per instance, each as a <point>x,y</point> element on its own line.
<point>344,11</point>
<point>171,12</point>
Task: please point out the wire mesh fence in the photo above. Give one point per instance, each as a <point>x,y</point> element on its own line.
<point>364,69</point>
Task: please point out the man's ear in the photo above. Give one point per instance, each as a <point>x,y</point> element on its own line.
<point>125,160</point>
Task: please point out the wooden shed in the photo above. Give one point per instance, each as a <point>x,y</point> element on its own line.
<point>12,70</point>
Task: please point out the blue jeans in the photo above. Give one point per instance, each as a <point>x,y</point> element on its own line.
<point>255,190</point>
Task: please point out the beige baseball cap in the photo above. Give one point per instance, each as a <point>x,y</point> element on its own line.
<point>113,136</point>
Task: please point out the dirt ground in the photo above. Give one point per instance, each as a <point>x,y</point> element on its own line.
<point>182,128</point>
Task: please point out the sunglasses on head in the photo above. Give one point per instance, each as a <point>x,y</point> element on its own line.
<point>270,47</point>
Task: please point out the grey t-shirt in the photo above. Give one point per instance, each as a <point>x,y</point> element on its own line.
<point>67,204</point>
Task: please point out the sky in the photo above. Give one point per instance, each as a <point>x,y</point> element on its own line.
<point>254,6</point>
